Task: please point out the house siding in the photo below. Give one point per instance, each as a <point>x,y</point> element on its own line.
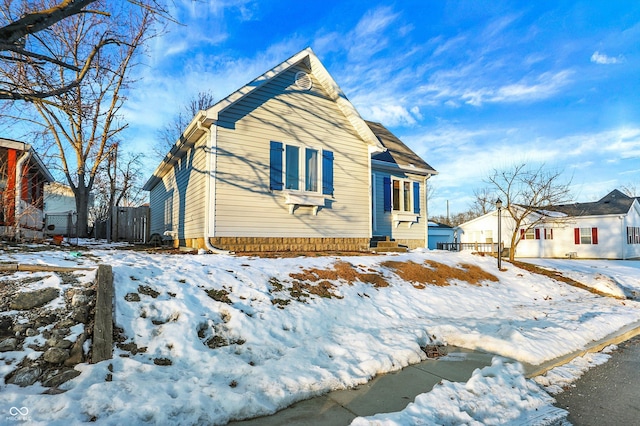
<point>413,236</point>
<point>178,202</point>
<point>244,204</point>
<point>631,251</point>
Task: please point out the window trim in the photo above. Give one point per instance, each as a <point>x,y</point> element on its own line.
<point>582,234</point>
<point>298,194</point>
<point>402,202</point>
<point>302,171</point>
<point>405,186</point>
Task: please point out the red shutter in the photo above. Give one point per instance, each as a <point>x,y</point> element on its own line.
<point>594,235</point>
<point>576,235</point>
<point>522,234</point>
<point>537,233</point>
<point>551,233</point>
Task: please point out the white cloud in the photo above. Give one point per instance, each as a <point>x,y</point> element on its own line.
<point>390,115</point>
<point>450,44</point>
<point>545,86</point>
<point>601,58</point>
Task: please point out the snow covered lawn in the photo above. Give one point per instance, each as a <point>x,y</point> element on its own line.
<point>205,339</point>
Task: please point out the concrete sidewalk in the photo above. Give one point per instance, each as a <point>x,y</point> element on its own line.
<point>386,393</point>
<point>394,391</point>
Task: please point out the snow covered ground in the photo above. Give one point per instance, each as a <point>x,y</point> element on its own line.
<point>212,338</point>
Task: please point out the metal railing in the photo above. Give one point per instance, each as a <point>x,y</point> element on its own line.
<point>477,247</point>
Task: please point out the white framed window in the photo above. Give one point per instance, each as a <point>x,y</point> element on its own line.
<point>585,235</point>
<point>402,195</point>
<point>302,168</point>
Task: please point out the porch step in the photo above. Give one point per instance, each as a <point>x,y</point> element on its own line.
<point>385,244</point>
<point>389,249</point>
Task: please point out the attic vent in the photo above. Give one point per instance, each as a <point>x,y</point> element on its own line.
<point>303,81</point>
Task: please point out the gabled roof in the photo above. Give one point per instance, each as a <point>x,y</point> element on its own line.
<point>614,202</point>
<point>309,58</point>
<point>205,119</point>
<point>397,154</point>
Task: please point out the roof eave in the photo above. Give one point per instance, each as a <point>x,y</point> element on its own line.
<point>190,135</point>
<point>385,165</point>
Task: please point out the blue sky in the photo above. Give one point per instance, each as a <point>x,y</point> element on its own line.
<point>471,86</point>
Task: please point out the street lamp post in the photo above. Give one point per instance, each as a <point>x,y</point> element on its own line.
<point>499,207</point>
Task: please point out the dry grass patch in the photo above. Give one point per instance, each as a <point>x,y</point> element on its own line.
<point>343,271</point>
<point>439,274</point>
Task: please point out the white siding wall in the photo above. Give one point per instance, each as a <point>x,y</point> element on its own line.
<point>177,203</point>
<point>244,204</point>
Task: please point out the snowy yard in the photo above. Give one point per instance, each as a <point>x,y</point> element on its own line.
<point>205,339</point>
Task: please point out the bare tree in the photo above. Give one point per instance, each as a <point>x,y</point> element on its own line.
<point>631,189</point>
<point>26,27</point>
<point>117,184</point>
<point>455,219</point>
<point>83,122</point>
<point>525,192</point>
<point>169,134</point>
<point>484,202</point>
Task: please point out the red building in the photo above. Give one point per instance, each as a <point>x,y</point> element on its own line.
<point>22,179</point>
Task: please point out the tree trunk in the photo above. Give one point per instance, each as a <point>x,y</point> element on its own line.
<point>514,244</point>
<point>82,207</point>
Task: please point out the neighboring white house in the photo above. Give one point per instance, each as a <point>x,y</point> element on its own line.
<point>60,209</point>
<point>58,199</point>
<point>283,163</point>
<point>605,229</point>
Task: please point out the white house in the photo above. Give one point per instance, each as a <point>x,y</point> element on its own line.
<point>605,229</point>
<point>284,163</point>
<point>58,199</point>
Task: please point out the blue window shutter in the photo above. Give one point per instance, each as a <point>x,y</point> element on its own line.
<point>386,187</point>
<point>416,197</point>
<point>327,172</point>
<point>275,172</point>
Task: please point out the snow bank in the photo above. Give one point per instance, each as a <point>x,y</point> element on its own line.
<point>494,395</point>
<point>208,339</point>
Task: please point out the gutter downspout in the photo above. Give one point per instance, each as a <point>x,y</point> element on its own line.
<point>207,197</point>
<point>622,236</point>
<point>426,213</point>
<point>18,189</point>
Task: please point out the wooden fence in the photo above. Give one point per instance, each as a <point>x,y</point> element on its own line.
<point>130,224</point>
